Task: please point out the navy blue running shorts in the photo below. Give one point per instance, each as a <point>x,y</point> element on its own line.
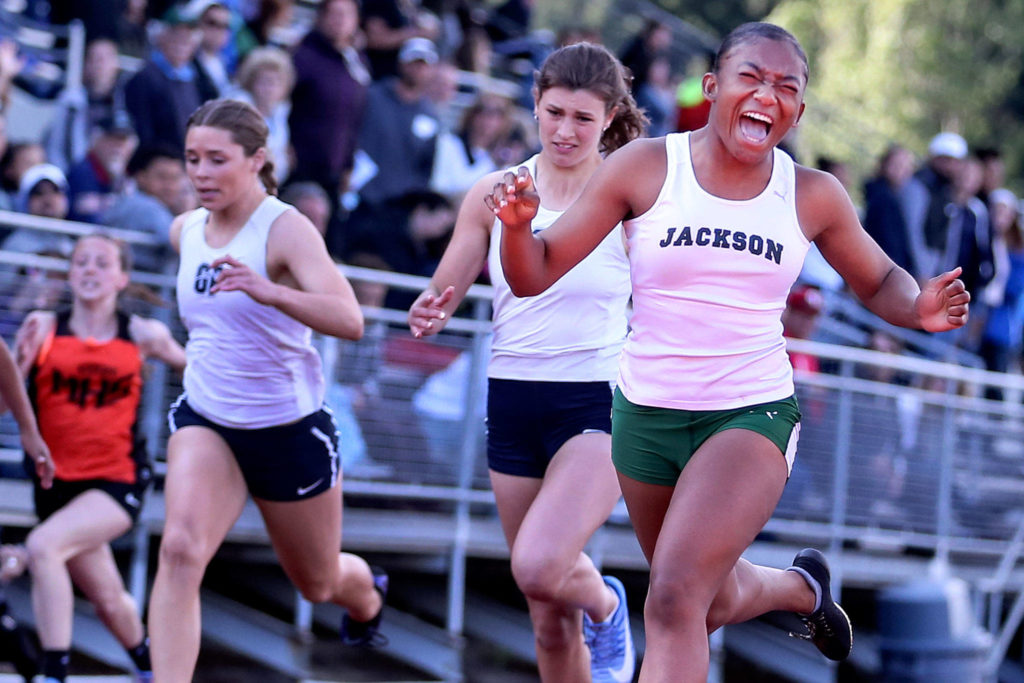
<point>49,501</point>
<point>282,463</point>
<point>528,421</point>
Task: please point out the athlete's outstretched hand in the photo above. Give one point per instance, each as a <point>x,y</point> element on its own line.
<point>426,315</point>
<point>514,200</point>
<point>943,302</point>
<point>38,453</point>
<point>236,276</point>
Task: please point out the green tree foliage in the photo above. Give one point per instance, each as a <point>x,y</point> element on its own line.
<point>901,70</point>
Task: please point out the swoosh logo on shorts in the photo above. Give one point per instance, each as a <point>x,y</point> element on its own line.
<point>303,490</point>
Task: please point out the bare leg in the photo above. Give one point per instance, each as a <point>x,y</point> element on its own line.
<point>97,575</point>
<point>712,517</point>
<point>204,495</point>
<point>548,562</point>
<point>86,523</point>
<point>306,536</point>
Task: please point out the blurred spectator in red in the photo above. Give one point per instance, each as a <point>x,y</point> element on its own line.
<point>692,108</point>
<point>799,320</point>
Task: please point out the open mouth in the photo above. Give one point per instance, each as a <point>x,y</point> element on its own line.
<point>755,126</point>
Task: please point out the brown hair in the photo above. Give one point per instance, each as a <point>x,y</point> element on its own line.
<point>590,67</point>
<point>133,290</point>
<point>246,126</point>
<point>124,252</point>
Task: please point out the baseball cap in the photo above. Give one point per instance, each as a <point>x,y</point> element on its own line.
<point>948,145</point>
<point>35,175</point>
<point>178,15</point>
<point>417,49</point>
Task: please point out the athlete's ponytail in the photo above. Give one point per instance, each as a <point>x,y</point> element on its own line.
<point>590,67</point>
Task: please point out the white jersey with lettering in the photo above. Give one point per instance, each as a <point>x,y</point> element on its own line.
<point>573,331</point>
<point>249,365</point>
<point>710,280</point>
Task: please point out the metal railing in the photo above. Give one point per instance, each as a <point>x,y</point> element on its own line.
<point>899,456</point>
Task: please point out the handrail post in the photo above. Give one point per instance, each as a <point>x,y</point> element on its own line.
<point>467,458</point>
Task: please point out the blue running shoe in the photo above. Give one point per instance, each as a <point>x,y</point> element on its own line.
<point>828,627</point>
<point>612,657</point>
<point>367,633</point>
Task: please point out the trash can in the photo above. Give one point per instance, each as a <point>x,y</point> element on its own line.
<point>928,634</point>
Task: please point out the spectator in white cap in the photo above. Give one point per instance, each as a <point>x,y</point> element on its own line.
<point>43,192</point>
<point>924,199</point>
<point>417,49</point>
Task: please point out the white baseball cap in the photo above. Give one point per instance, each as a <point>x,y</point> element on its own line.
<point>948,145</point>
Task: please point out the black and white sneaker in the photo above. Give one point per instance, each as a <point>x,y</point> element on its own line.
<point>367,633</point>
<point>828,627</point>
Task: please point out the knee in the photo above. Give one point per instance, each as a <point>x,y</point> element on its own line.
<point>674,600</point>
<point>315,589</point>
<point>42,548</point>
<point>539,578</point>
<point>182,554</point>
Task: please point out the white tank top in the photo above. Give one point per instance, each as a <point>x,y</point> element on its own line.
<point>573,331</point>
<point>710,280</point>
<point>249,365</point>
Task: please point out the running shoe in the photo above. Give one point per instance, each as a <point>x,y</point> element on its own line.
<point>828,627</point>
<point>612,658</point>
<point>367,633</point>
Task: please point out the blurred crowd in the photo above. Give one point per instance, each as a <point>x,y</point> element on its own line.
<point>382,113</point>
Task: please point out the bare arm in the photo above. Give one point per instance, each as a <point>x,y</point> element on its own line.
<point>306,285</point>
<point>888,291</point>
<point>12,389</point>
<point>463,260</point>
<point>155,341</point>
<point>175,232</point>
<point>532,263</point>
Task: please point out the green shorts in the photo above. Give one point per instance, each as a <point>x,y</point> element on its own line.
<point>653,445</point>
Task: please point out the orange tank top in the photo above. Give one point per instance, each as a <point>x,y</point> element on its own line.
<point>86,396</point>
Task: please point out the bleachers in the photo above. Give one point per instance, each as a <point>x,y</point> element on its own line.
<point>891,478</point>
